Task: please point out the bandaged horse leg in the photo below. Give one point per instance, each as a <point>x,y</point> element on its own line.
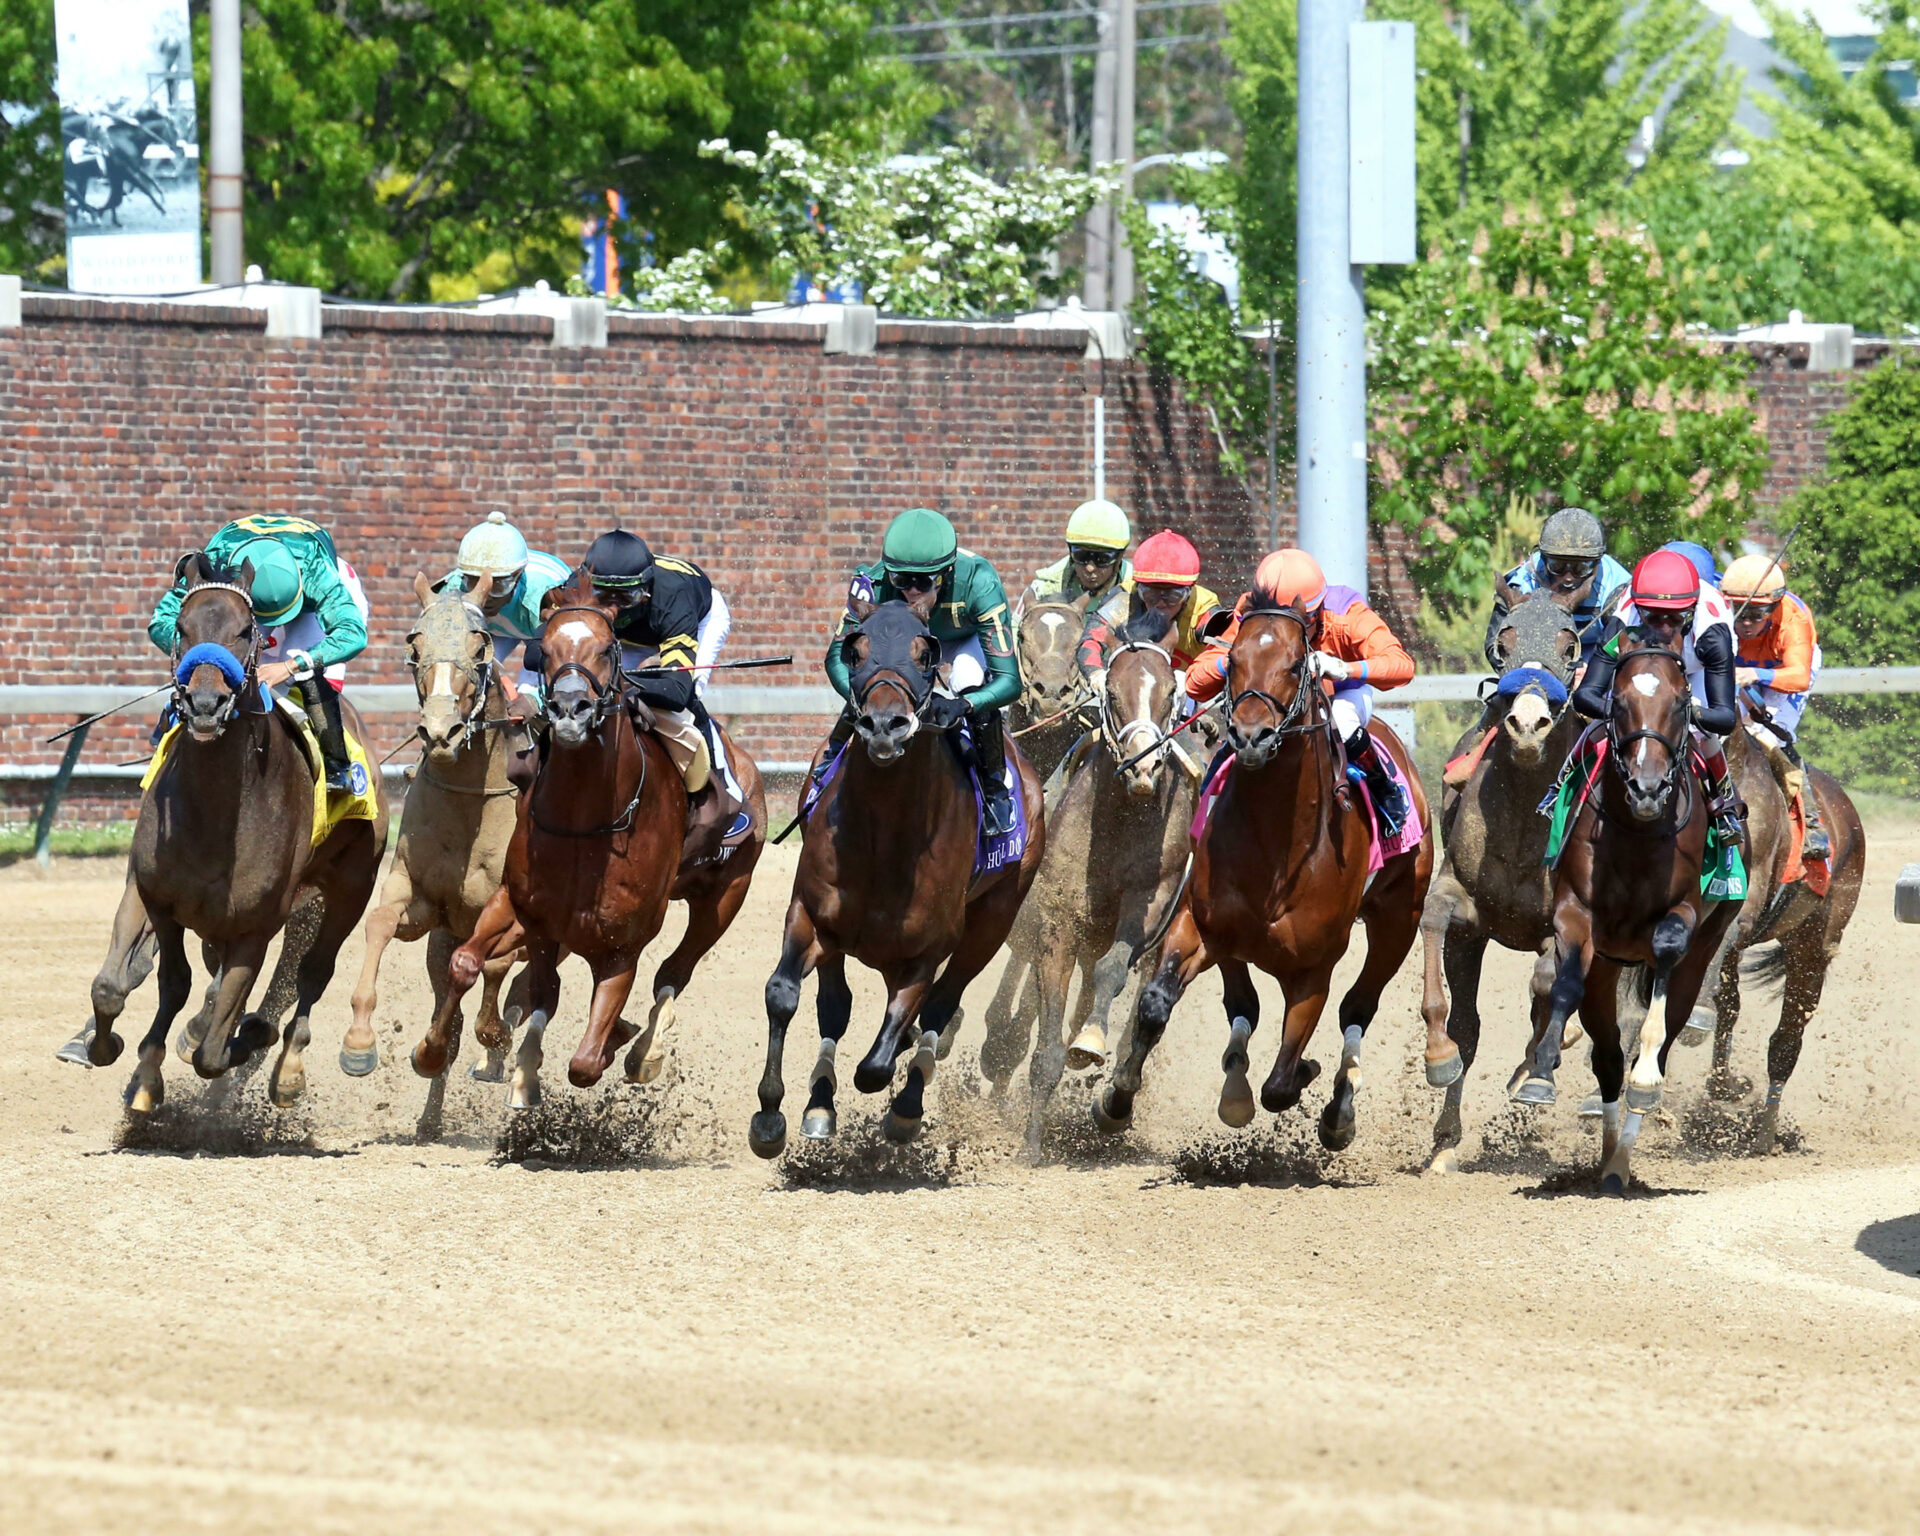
<point>1568,994</point>
<point>146,1091</point>
<point>833,1006</point>
<point>1243,1018</point>
<point>1671,936</point>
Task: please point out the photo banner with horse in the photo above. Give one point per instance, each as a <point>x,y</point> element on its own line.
<point>131,158</point>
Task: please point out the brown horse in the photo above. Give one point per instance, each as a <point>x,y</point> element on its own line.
<point>596,845</point>
<point>1280,873</point>
<point>1118,846</point>
<point>223,847</point>
<point>1056,704</point>
<point>458,818</point>
<point>886,875</point>
<point>1627,892</point>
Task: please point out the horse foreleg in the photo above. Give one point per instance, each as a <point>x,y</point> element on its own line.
<point>1306,994</point>
<point>543,999</point>
<point>359,1052</point>
<point>799,953</point>
<point>440,1045</point>
<point>1183,956</point>
<point>833,1007</point>
<point>1243,1018</point>
<point>129,958</point>
<point>1703,1023</point>
<point>606,1030</point>
<point>1443,1060</point>
<point>1054,971</point>
<point>1600,1013</point>
<point>1008,1027</point>
<point>147,1089</point>
<point>240,963</point>
<point>1672,937</point>
<point>490,1030</point>
<point>1569,991</point>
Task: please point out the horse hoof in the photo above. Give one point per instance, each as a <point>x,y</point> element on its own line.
<point>1447,1071</point>
<point>1236,1099</point>
<point>142,1099</point>
<point>1613,1184</point>
<point>524,1095</point>
<point>1338,1123</point>
<point>287,1085</point>
<point>359,1063</point>
<point>1444,1160</point>
<point>1698,1029</point>
<point>1590,1107</point>
<point>950,1034</point>
<point>646,1061</point>
<point>1106,1121</point>
<point>819,1124</point>
<point>424,1065</point>
<point>104,1050</point>
<point>492,1070</point>
<point>76,1050</point>
<point>1535,1090</point>
<point>901,1128</point>
<point>767,1133</point>
<point>1642,1101</point>
<point>250,1037</point>
<point>1088,1050</point>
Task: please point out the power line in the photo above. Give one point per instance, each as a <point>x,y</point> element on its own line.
<point>1172,40</point>
<point>1079,14</point>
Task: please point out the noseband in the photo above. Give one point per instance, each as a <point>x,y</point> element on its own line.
<point>185,663</point>
<point>1677,751</point>
<point>606,694</point>
<point>1120,732</point>
<point>1299,717</point>
<point>473,719</point>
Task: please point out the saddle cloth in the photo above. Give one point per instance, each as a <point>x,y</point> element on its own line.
<point>1379,850</point>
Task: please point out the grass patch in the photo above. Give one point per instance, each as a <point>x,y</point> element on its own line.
<point>110,841</point>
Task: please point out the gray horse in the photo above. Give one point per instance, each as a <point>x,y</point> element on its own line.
<point>1494,883</point>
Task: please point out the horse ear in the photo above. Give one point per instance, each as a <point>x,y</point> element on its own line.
<point>550,599</point>
<point>243,578</point>
<point>422,588</point>
<point>1503,642</point>
<point>934,654</point>
<point>1079,604</point>
<point>481,590</point>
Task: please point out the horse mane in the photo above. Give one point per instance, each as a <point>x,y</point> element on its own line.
<point>1147,627</point>
<point>1258,601</point>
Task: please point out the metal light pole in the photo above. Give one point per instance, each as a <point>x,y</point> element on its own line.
<point>1123,92</point>
<point>1331,334</point>
<point>1093,288</point>
<point>224,169</point>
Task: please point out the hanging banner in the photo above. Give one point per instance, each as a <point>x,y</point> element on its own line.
<point>132,145</point>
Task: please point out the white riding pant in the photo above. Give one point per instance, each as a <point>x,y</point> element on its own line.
<point>966,664</point>
<point>303,632</point>
<point>1352,709</point>
<point>1786,709</point>
<point>714,629</point>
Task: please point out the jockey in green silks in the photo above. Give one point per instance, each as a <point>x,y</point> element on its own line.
<point>974,625</point>
<point>308,602</point>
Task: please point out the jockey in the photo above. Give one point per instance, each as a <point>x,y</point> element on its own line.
<point>921,553</point>
<point>1777,660</point>
<point>1573,564</point>
<point>521,578</point>
<point>1699,557</point>
<point>311,606</point>
<point>1672,608</point>
<point>669,616</point>
<point>1166,581</point>
<point>1095,562</point>
<point>1352,648</point>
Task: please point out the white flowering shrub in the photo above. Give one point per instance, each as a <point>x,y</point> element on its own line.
<point>916,235</point>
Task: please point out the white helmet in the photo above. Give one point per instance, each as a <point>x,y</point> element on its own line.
<point>493,548</point>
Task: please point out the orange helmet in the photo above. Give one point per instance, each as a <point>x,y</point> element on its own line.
<point>1166,560</point>
<point>1291,577</point>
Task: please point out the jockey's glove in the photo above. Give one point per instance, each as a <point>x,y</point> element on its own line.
<point>1097,681</point>
<point>943,713</point>
<point>1327,665</point>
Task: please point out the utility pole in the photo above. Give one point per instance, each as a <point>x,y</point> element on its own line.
<point>1331,335</point>
<point>224,172</point>
<point>1126,47</point>
<point>1093,288</point>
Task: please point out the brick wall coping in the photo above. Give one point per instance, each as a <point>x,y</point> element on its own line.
<point>50,306</point>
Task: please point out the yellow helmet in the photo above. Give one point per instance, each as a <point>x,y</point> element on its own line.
<point>1756,580</point>
<point>1099,524</point>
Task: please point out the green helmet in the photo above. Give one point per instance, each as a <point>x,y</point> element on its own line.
<point>1100,524</point>
<point>277,589</point>
<point>919,540</point>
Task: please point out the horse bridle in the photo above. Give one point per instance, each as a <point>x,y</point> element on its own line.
<point>249,664</point>
<point>1119,732</point>
<point>1677,751</point>
<point>607,694</point>
<point>1299,717</point>
<point>473,720</point>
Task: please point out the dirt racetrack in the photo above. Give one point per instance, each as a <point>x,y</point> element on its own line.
<point>390,1310</point>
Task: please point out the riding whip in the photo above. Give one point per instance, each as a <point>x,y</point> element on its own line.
<point>717,666</point>
<point>81,725</point>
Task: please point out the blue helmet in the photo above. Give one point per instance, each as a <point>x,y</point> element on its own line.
<point>1698,556</point>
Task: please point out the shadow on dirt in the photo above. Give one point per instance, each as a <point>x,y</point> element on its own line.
<point>859,1158</point>
<point>1584,1184</point>
<point>1280,1154</point>
<point>1893,1244</point>
<point>201,1128</point>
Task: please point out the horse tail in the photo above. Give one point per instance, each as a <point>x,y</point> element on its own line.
<point>1765,965</point>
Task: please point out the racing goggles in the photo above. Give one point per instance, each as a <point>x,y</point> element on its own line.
<point>1092,554</point>
<point>1569,568</point>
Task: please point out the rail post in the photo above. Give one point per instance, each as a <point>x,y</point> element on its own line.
<point>56,791</point>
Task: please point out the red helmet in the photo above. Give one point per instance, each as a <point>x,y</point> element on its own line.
<point>1166,560</point>
<point>1667,580</point>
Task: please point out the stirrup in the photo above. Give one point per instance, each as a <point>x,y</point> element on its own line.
<point>997,814</point>
<point>340,778</point>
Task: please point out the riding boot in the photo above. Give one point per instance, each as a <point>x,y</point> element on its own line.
<point>838,737</point>
<point>322,703</point>
<point>990,756</point>
<point>1724,802</point>
<point>1389,799</point>
<point>1815,846</point>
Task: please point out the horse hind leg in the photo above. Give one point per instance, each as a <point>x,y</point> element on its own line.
<point>907,989</point>
<point>833,1005</point>
<point>147,1090</point>
<point>1183,957</point>
<point>708,918</point>
<point>1055,970</point>
<point>543,998</point>
<point>492,1031</point>
<point>1723,1083</point>
<point>1089,1048</point>
<point>1807,959</point>
<point>800,951</point>
<point>339,917</point>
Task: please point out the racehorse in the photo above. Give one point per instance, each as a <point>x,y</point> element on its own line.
<point>1628,891</point>
<point>224,845</point>
<point>1280,872</point>
<point>454,829</point>
<point>887,875</point>
<point>1118,845</point>
<point>111,148</point>
<point>596,845</point>
<point>1494,883</point>
<point>1805,925</point>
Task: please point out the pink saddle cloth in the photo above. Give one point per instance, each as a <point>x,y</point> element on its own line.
<point>1378,850</point>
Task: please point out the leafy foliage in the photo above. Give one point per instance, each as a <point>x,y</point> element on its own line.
<point>1857,561</point>
<point>1546,357</point>
<point>918,235</point>
<point>32,230</point>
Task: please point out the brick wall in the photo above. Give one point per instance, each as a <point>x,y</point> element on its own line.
<point>128,431</point>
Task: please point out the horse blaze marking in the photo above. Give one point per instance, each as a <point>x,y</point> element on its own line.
<point>442,680</point>
<point>1645,684</point>
<point>577,629</point>
<point>1052,620</point>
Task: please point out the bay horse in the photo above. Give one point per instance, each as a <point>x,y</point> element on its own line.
<point>1118,840</point>
<point>455,826</point>
<point>223,846</point>
<point>887,875</point>
<point>596,846</point>
<point>1628,892</point>
<point>1493,884</point>
<point>1804,925</point>
<point>1280,873</point>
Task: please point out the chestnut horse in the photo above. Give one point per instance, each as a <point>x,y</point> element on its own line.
<point>224,847</point>
<point>596,845</point>
<point>1280,873</point>
<point>1627,892</point>
<point>886,875</point>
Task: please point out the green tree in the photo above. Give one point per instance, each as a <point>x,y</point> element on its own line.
<point>1546,358</point>
<point>1857,562</point>
<point>32,234</point>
